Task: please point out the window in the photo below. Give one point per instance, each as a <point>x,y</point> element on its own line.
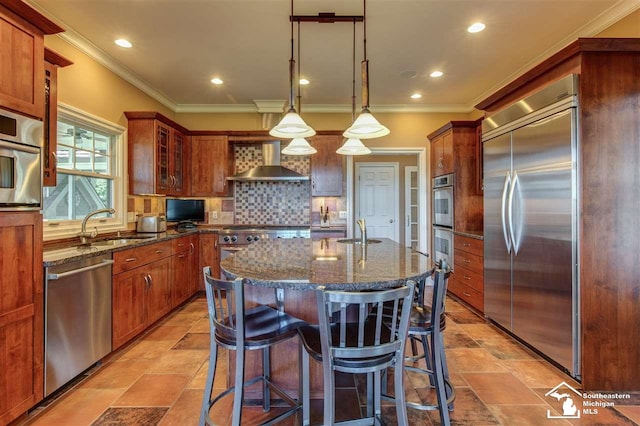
<point>90,175</point>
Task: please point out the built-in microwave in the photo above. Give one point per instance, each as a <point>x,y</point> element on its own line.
<point>443,200</point>
<point>20,167</point>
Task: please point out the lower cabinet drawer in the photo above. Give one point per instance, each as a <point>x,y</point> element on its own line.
<point>471,278</point>
<point>468,260</point>
<point>127,260</point>
<point>467,294</point>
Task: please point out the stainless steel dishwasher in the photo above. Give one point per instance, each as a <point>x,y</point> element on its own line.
<point>77,318</point>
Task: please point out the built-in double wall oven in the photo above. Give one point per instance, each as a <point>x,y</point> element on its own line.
<point>442,197</point>
<point>20,171</point>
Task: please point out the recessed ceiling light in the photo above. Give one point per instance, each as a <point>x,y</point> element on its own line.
<point>304,81</point>
<point>416,96</point>
<point>437,74</point>
<point>217,80</point>
<point>123,43</point>
<point>477,27</point>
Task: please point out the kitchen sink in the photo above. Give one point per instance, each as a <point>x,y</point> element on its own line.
<point>117,241</point>
<point>358,241</point>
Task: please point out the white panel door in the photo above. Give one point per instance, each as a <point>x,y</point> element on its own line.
<point>377,199</point>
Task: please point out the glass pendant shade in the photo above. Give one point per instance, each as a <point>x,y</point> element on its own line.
<point>299,146</point>
<point>366,127</point>
<point>353,146</point>
<point>292,126</point>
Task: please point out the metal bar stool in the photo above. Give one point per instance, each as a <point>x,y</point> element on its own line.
<point>426,326</point>
<point>367,346</point>
<point>234,327</point>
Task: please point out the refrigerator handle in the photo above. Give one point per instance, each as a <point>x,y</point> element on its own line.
<point>512,190</point>
<point>505,233</point>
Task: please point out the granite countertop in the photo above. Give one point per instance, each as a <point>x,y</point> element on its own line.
<point>57,255</point>
<point>305,264</point>
<point>478,235</point>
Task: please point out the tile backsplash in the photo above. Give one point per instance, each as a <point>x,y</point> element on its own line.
<point>271,203</point>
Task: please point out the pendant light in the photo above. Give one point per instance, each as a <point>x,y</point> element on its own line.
<point>353,146</point>
<point>299,145</point>
<point>292,125</point>
<point>365,126</point>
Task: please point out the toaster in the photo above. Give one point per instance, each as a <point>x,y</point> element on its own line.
<point>152,224</point>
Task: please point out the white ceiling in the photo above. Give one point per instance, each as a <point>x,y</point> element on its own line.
<point>179,45</point>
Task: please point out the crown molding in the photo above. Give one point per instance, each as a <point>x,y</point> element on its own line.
<point>325,108</point>
<point>607,18</point>
<point>97,54</point>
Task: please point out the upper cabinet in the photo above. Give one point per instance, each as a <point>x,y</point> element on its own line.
<point>22,32</point>
<point>326,166</point>
<point>442,153</point>
<point>52,61</point>
<point>211,164</point>
<point>158,153</point>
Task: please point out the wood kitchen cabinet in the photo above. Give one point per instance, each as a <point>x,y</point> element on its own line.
<point>52,62</point>
<point>184,269</point>
<point>442,153</point>
<point>158,155</point>
<point>209,255</point>
<point>467,280</point>
<point>22,32</point>
<point>141,289</point>
<point>21,313</point>
<point>326,166</point>
<point>211,164</point>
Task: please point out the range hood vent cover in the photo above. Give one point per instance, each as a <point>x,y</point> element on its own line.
<point>271,170</point>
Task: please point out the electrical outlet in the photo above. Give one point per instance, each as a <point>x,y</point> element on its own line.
<point>214,215</point>
<point>342,214</point>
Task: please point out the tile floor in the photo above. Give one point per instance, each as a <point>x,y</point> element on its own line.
<point>159,379</point>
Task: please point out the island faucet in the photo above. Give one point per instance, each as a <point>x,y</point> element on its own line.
<point>83,233</point>
<point>363,231</point>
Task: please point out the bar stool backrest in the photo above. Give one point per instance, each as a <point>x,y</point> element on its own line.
<point>225,300</point>
<point>378,341</point>
<point>440,282</point>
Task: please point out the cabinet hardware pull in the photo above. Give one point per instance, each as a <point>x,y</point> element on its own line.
<point>131,259</point>
<point>193,248</point>
<point>466,294</point>
<point>146,282</point>
<point>180,244</point>
<point>181,256</point>
<point>466,260</point>
<point>150,280</point>
<point>159,251</point>
<point>466,278</point>
<point>466,244</point>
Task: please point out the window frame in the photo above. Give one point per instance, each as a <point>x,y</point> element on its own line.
<point>56,229</point>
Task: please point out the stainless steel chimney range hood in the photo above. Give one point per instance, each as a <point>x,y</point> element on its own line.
<point>271,170</point>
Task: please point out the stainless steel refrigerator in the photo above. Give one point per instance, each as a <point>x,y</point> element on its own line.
<point>530,222</point>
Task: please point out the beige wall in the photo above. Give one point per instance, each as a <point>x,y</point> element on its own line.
<point>90,87</point>
<point>628,26</point>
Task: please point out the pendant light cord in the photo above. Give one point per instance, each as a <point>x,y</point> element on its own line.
<point>292,70</point>
<point>353,68</point>
<point>299,91</point>
<point>365,62</point>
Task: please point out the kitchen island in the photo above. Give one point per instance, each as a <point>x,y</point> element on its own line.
<point>295,268</point>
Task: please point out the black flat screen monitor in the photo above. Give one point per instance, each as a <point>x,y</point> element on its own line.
<point>185,210</point>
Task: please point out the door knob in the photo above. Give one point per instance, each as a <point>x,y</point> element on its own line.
<point>390,220</point>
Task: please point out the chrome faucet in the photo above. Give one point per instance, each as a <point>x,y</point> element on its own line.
<point>363,231</point>
<point>83,233</point>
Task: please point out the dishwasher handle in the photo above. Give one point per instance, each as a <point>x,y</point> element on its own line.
<point>105,262</point>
